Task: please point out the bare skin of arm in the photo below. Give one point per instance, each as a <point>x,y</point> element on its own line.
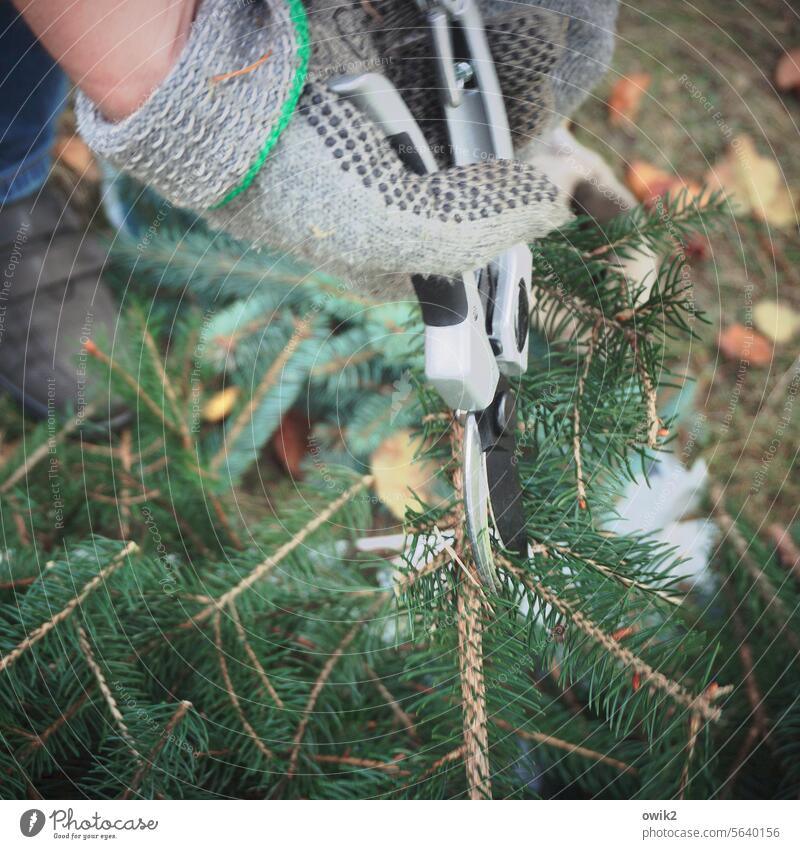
<point>117,51</point>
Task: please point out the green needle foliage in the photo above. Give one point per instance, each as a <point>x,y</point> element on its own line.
<point>180,620</point>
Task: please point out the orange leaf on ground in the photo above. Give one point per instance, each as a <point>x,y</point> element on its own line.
<point>220,404</point>
<point>754,184</point>
<point>738,343</point>
<point>787,71</point>
<point>626,98</point>
<point>290,442</point>
<point>73,152</point>
<point>649,183</point>
<point>697,247</point>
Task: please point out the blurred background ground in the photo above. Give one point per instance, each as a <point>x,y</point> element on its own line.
<point>712,69</point>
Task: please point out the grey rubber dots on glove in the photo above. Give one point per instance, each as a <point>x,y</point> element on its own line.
<point>332,190</point>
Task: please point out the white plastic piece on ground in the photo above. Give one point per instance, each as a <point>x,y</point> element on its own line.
<point>659,509</point>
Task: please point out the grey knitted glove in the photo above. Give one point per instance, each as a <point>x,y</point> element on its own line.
<point>588,47</point>
<point>331,190</point>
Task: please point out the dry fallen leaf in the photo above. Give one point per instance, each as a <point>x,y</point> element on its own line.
<point>787,71</point>
<point>398,471</point>
<point>290,442</point>
<point>778,322</point>
<point>753,184</point>
<point>219,405</point>
<point>649,183</point>
<point>738,342</point>
<point>73,152</point>
<point>697,247</point>
<point>626,98</point>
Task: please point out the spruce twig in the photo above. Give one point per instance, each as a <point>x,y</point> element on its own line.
<point>760,580</point>
<point>454,755</point>
<point>260,671</point>
<point>473,692</point>
<point>678,693</point>
<point>576,418</point>
<point>566,746</point>
<point>319,684</point>
<point>363,763</point>
<point>233,696</point>
<point>44,629</point>
<point>302,331</point>
<point>62,719</point>
<point>403,718</point>
<point>169,390</point>
<point>43,450</point>
<point>141,773</point>
<point>270,562</point>
<point>105,690</point>
<point>134,384</point>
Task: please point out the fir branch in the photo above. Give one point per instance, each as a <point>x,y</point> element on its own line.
<point>133,383</point>
<point>127,462</point>
<point>454,755</point>
<point>319,684</point>
<point>44,629</point>
<point>608,572</point>
<point>108,696</point>
<point>260,671</point>
<point>363,763</point>
<point>63,718</point>
<point>576,418</point>
<point>651,404</point>
<point>403,718</point>
<point>676,692</point>
<point>225,522</point>
<point>786,548</point>
<point>267,565</point>
<point>141,773</point>
<point>42,451</point>
<point>233,696</point>
<point>473,692</point>
<point>302,331</point>
<point>760,580</point>
<point>566,746</point>
<point>169,389</point>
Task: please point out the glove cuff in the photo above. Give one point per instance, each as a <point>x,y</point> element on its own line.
<point>202,135</point>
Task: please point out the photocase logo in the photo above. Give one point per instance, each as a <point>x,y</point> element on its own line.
<point>31,822</point>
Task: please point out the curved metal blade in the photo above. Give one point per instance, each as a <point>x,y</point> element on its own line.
<point>476,502</point>
<point>505,494</point>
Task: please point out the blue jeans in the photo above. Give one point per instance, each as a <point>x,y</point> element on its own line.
<point>33,90</point>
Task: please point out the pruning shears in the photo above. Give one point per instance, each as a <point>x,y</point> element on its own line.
<point>476,326</point>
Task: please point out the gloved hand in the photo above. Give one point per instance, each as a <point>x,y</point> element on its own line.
<point>331,189</point>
